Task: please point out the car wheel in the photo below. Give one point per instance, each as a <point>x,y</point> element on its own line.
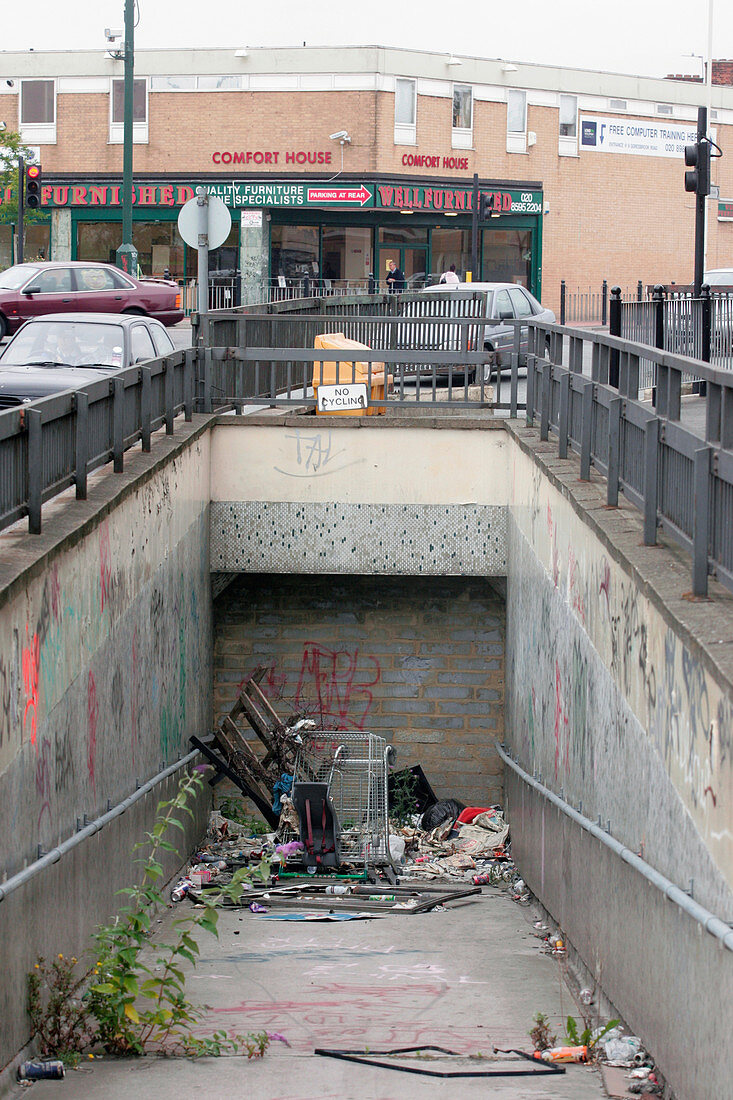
<point>3,327</point>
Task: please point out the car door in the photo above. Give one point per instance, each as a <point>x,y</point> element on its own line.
<point>101,289</point>
<point>502,334</point>
<point>51,291</point>
<point>522,308</point>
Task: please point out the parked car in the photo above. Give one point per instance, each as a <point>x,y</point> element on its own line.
<point>504,301</point>
<point>51,354</point>
<point>39,288</point>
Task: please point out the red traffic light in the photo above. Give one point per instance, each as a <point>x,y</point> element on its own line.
<point>33,172</point>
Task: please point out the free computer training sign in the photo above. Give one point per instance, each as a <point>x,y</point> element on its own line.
<point>644,137</point>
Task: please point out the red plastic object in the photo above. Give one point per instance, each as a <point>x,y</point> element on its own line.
<point>467,815</point>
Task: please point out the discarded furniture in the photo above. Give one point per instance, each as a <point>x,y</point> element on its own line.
<point>349,371</point>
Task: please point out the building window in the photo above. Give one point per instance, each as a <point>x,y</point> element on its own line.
<point>139,101</point>
<point>568,142</point>
<point>516,121</point>
<point>617,104</point>
<point>664,109</point>
<point>172,83</point>
<point>139,111</point>
<point>462,136</point>
<point>405,111</point>
<point>37,103</point>
<point>219,83</point>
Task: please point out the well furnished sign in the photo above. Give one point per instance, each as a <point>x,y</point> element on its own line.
<point>456,200</point>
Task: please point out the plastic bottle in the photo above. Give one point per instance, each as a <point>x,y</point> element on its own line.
<point>563,1054</point>
<point>338,890</point>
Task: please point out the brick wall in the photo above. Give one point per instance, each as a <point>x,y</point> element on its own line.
<point>420,661</point>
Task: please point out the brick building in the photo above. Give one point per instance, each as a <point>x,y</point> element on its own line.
<point>584,170</point>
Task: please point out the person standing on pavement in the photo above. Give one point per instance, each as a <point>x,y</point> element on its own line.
<point>450,276</point>
<point>395,277</point>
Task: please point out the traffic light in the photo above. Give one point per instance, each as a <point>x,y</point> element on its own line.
<point>484,207</point>
<point>33,186</point>
<point>697,157</point>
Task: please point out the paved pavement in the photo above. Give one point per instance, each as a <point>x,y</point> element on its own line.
<point>469,978</point>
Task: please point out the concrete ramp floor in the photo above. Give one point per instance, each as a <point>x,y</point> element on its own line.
<point>469,978</point>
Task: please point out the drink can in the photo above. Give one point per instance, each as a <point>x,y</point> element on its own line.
<point>38,1071</point>
<point>482,880</point>
<point>382,897</point>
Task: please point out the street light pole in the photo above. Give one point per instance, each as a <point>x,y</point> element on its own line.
<point>126,253</point>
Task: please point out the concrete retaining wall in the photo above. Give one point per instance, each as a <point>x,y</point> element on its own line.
<point>419,662</point>
<point>617,696</point>
<point>105,671</point>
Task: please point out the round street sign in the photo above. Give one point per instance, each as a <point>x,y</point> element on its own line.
<point>220,222</point>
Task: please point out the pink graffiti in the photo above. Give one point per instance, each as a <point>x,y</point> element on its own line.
<point>605,585</point>
<point>576,596</point>
<point>31,660</point>
<point>105,568</point>
<point>92,715</point>
<point>331,675</point>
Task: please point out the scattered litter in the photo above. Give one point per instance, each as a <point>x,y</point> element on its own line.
<point>182,887</point>
<point>320,917</point>
<point>39,1071</point>
<point>563,1054</point>
<point>626,1050</point>
<point>255,907</point>
<point>447,809</point>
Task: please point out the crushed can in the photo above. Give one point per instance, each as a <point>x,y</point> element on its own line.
<point>39,1071</point>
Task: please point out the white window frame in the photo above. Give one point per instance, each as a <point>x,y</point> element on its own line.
<point>516,140</point>
<point>38,133</point>
<point>462,136</point>
<point>140,130</point>
<point>568,143</point>
<point>405,133</point>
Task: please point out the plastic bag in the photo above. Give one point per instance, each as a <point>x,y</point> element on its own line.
<point>623,1050</point>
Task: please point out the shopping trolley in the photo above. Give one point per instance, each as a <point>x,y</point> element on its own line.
<point>354,766</point>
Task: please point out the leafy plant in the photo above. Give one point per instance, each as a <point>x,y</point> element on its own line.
<point>540,1033</point>
<point>140,1006</point>
<point>588,1037</point>
<point>58,1012</point>
<point>11,148</point>
<point>403,803</point>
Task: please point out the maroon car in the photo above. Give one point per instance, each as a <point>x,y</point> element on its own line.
<point>37,289</point>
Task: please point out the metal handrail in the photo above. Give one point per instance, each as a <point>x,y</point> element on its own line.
<point>12,884</point>
<point>712,924</point>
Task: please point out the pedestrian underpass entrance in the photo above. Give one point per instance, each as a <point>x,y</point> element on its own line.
<point>417,660</point>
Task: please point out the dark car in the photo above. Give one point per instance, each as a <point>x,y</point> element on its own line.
<point>39,288</point>
<point>51,354</point>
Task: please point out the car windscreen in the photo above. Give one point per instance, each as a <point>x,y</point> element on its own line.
<point>67,343</point>
<point>16,277</point>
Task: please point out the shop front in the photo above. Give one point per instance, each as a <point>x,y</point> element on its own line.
<point>333,235</point>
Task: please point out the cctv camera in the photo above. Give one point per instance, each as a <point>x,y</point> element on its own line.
<point>3,125</point>
<point>10,83</point>
<point>340,135</point>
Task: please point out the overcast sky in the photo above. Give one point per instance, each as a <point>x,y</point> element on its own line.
<point>643,37</point>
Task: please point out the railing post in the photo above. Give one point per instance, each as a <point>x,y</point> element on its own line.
<point>586,427</point>
<point>81,403</point>
<point>146,409</point>
<point>639,291</point>
<point>707,328</point>
<point>514,384</point>
<point>531,379</point>
<point>563,292</point>
<point>700,522</point>
<point>651,468</point>
<point>169,396</point>
<point>658,299</point>
<point>35,469</point>
<point>564,414</point>
<point>614,451</point>
<point>118,424</point>
<point>604,302</point>
<point>372,283</point>
<point>614,329</point>
<point>188,383</point>
<point>545,399</point>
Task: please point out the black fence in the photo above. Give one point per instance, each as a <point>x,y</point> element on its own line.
<point>584,304</point>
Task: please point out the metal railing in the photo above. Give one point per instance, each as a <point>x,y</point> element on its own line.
<point>53,443</point>
<point>678,479</point>
<point>579,304</point>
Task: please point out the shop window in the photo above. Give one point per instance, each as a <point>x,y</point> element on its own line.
<point>294,253</point>
<point>507,256</point>
<point>347,256</point>
<point>516,121</point>
<point>139,112</point>
<point>405,111</point>
<point>462,135</point>
<point>407,234</point>
<point>159,245</point>
<point>449,246</point>
<point>568,141</point>
<point>38,111</point>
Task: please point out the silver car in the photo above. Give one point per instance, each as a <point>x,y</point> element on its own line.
<point>505,302</point>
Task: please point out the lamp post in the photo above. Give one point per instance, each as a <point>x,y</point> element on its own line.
<point>127,253</point>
